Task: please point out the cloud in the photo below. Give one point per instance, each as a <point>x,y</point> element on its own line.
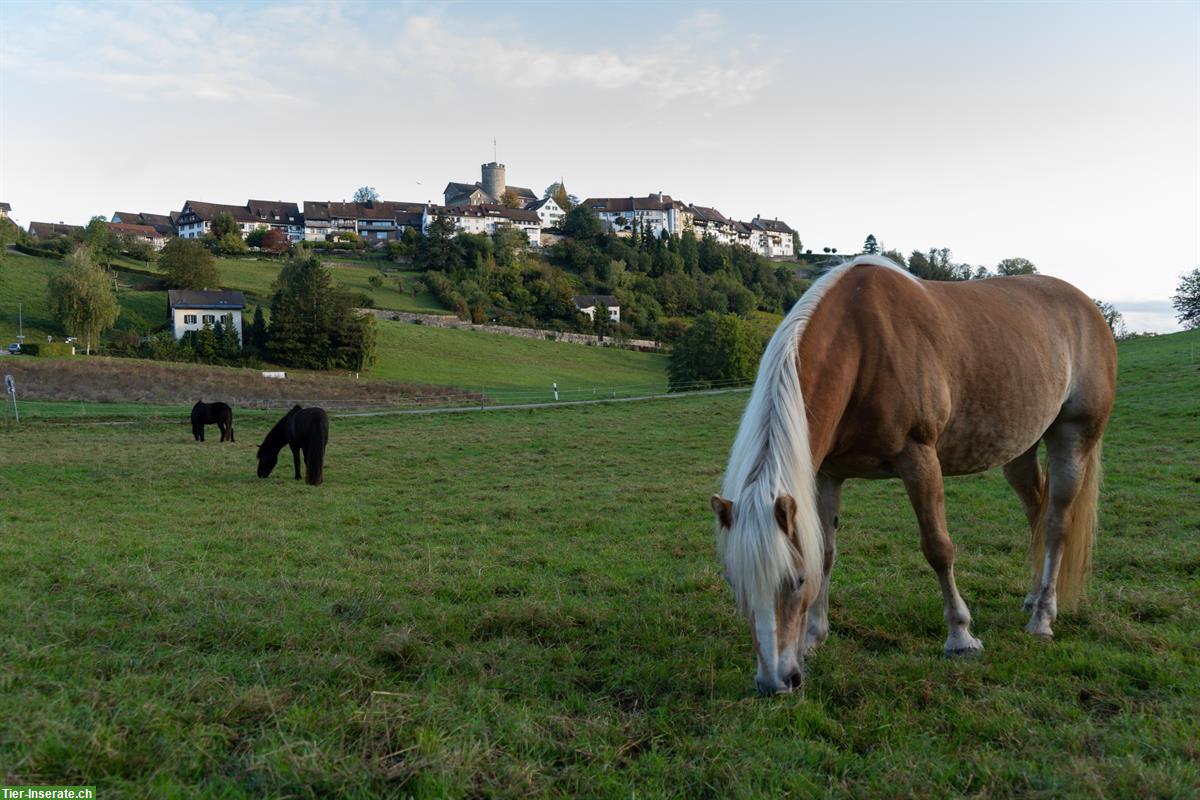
<point>283,53</point>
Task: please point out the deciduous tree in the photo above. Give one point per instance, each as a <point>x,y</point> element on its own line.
<point>1187,300</point>
<point>188,265</point>
<point>1016,266</point>
<point>82,297</point>
<point>366,194</point>
<point>718,349</point>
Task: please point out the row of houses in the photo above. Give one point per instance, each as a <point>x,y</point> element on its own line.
<point>479,207</point>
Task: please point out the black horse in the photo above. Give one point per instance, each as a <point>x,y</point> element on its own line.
<point>304,429</point>
<point>218,414</point>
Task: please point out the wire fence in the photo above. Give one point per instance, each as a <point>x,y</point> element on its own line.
<point>451,400</point>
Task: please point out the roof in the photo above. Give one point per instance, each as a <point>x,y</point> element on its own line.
<point>49,230</point>
<point>163,223</point>
<point>772,225</point>
<point>136,230</point>
<point>651,202</point>
<point>5,207</point>
<point>209,211</point>
<point>590,300</point>
<point>193,298</point>
<point>707,215</point>
<point>274,211</point>
<point>536,204</point>
<point>491,210</point>
<point>455,190</point>
<point>318,210</point>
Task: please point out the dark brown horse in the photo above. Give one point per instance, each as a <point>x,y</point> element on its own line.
<point>303,429</point>
<point>876,374</point>
<point>218,414</point>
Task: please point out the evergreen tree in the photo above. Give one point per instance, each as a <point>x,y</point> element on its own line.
<point>230,348</point>
<point>314,325</point>
<point>205,344</point>
<point>870,246</point>
<point>437,251</point>
<point>258,333</point>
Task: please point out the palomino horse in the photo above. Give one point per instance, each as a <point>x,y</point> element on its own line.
<point>876,374</point>
<point>304,430</point>
<point>219,414</point>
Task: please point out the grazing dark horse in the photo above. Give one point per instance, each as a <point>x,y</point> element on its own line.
<point>876,374</point>
<point>218,414</point>
<point>304,429</point>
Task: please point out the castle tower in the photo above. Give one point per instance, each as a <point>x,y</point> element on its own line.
<point>493,181</point>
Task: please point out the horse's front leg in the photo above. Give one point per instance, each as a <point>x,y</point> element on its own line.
<point>829,499</point>
<point>296,459</point>
<point>921,472</point>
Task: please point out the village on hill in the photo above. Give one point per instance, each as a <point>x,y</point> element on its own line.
<point>479,207</point>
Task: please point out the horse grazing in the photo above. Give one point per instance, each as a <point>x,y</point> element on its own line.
<point>876,374</point>
<point>304,429</point>
<point>218,414</point>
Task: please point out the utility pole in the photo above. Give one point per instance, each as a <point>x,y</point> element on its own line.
<point>21,322</point>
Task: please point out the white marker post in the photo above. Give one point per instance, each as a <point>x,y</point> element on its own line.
<point>12,392</point>
<point>556,392</point>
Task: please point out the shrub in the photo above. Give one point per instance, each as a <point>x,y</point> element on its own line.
<point>49,349</point>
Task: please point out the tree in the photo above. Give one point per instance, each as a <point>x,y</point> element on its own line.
<point>437,251</point>
<point>870,246</point>
<point>508,243</point>
<point>276,241</point>
<point>314,324</point>
<point>797,245</point>
<point>1116,322</point>
<point>897,256</point>
<point>582,223</point>
<point>224,224</point>
<point>255,237</point>
<point>231,244</point>
<point>559,194</point>
<point>718,349</point>
<point>257,338</point>
<point>82,297</point>
<point>366,194</point>
<point>188,265</point>
<point>1016,266</point>
<point>509,199</point>
<point>601,320</point>
<point>1187,300</point>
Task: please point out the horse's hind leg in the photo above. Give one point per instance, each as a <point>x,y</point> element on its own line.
<point>829,498</point>
<point>922,475</point>
<point>1024,475</point>
<point>1072,461</point>
<point>296,459</point>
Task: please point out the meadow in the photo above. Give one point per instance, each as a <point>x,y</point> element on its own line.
<point>527,603</point>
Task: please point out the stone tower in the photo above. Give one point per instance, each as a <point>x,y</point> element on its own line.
<point>493,181</point>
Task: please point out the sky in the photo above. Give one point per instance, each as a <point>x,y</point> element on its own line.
<point>1067,133</point>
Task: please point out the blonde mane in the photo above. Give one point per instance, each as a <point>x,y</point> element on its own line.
<point>771,457</point>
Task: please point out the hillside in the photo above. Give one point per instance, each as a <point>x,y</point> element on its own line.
<point>527,604</point>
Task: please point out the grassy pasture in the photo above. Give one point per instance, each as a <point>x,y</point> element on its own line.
<point>526,603</point>
<point>512,368</point>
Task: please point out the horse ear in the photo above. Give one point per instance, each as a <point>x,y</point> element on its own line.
<point>723,509</point>
<point>785,514</point>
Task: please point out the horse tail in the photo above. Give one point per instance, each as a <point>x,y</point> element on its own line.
<point>316,452</point>
<point>1079,534</point>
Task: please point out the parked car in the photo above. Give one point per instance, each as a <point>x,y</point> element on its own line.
<point>14,349</point>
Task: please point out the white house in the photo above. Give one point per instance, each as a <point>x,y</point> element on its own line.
<point>487,217</point>
<point>653,213</point>
<point>710,222</point>
<point>588,303</point>
<point>196,218</point>
<point>190,309</point>
<point>5,210</point>
<point>775,238</point>
<point>549,211</point>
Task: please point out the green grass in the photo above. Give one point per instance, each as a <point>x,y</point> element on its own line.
<point>515,367</point>
<point>514,604</point>
<point>23,280</point>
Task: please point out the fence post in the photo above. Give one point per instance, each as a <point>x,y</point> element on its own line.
<point>556,391</point>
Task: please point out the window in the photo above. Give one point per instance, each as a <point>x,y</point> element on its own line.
<point>209,319</point>
<point>189,319</point>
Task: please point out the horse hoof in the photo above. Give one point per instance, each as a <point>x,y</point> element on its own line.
<point>1041,631</point>
<point>961,649</point>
